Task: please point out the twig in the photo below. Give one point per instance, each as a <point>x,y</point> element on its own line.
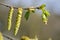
<point>17,7</point>
<point>7,37</point>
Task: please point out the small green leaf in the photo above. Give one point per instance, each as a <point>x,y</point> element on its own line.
<point>27,15</point>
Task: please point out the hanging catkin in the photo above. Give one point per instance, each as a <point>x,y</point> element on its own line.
<point>50,39</point>
<point>18,21</point>
<point>10,17</point>
<point>25,38</point>
<point>1,36</point>
<point>45,15</point>
<point>44,18</point>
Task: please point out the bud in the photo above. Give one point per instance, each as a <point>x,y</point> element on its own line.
<point>32,10</point>
<point>42,6</point>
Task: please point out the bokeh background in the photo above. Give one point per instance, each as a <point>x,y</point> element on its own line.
<point>34,25</point>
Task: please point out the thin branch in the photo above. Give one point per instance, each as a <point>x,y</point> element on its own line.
<point>17,7</point>
<point>7,37</point>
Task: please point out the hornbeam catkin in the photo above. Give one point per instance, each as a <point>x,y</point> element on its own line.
<point>18,21</point>
<point>50,39</point>
<point>1,36</point>
<point>44,18</point>
<point>25,38</point>
<point>10,17</point>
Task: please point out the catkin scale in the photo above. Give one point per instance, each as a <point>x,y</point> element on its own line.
<point>18,21</point>
<point>44,18</point>
<point>46,12</point>
<point>10,17</point>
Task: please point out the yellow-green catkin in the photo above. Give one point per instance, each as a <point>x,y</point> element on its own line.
<point>18,20</point>
<point>50,39</point>
<point>44,18</point>
<point>45,14</point>
<point>10,17</point>
<point>1,36</point>
<point>25,38</point>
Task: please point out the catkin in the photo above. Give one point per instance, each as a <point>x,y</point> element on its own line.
<point>44,19</point>
<point>18,21</point>
<point>50,39</point>
<point>1,36</point>
<point>25,38</point>
<point>45,15</point>
<point>10,17</point>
